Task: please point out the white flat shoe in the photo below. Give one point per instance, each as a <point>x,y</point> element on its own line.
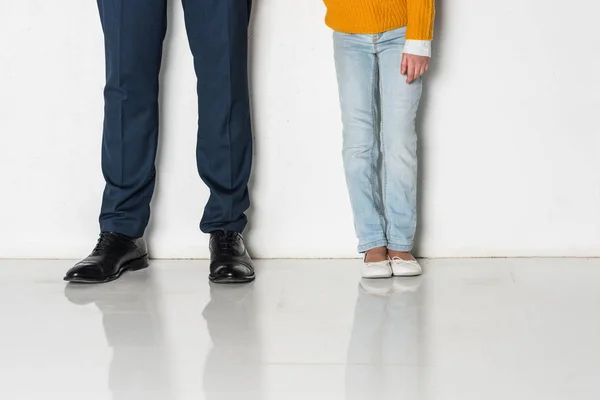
<point>376,270</point>
<point>402,267</point>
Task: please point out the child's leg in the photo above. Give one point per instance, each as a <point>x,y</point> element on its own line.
<point>399,104</point>
<point>357,72</point>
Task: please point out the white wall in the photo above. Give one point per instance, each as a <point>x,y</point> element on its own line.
<point>510,140</point>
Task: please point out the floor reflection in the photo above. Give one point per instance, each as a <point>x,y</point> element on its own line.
<point>385,356</point>
<point>234,365</point>
<point>133,325</point>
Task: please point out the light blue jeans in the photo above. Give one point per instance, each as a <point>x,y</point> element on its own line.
<point>379,110</point>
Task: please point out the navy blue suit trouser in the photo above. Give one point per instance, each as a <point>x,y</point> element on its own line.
<point>134,31</point>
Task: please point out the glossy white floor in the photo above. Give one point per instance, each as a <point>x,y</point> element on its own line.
<point>468,329</point>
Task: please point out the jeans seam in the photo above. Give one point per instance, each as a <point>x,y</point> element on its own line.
<point>383,152</point>
<point>374,194</point>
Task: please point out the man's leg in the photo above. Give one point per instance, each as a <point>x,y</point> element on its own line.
<point>218,35</point>
<point>133,33</point>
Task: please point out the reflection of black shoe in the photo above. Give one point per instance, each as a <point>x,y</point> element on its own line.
<point>121,295</point>
<point>235,294</point>
<point>229,259</point>
<point>82,296</point>
<point>114,254</point>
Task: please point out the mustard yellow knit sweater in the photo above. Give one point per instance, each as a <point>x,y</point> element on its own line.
<point>376,16</point>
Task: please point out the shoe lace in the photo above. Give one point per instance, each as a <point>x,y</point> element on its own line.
<point>105,240</point>
<point>227,241</point>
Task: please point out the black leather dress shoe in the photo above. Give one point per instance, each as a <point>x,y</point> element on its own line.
<point>114,254</point>
<point>229,259</point>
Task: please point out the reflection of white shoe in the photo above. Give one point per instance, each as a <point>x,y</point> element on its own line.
<point>402,267</point>
<point>407,284</point>
<point>379,287</point>
<point>380,269</point>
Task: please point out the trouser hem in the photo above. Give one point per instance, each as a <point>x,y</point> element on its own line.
<point>399,247</point>
<point>123,229</point>
<point>371,244</point>
<point>237,226</point>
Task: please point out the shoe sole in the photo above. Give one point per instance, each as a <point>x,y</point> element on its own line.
<point>377,277</point>
<point>231,280</point>
<point>407,274</point>
<point>133,265</point>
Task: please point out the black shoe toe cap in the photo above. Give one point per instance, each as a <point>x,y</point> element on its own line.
<point>231,272</point>
<point>84,272</point>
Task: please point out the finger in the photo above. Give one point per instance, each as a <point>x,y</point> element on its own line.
<point>414,72</point>
<point>427,66</point>
<point>404,66</point>
<point>410,70</point>
<point>422,71</point>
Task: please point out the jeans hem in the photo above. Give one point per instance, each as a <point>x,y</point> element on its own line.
<point>399,247</point>
<point>363,248</point>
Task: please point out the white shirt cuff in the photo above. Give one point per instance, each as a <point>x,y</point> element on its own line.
<point>418,47</point>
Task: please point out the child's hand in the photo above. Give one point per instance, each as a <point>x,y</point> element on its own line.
<point>413,66</point>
